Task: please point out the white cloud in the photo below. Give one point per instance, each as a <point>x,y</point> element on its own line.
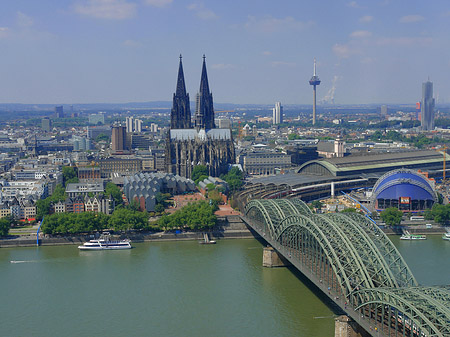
<point>222,66</point>
<point>411,18</point>
<point>366,19</point>
<point>266,53</point>
<point>106,9</point>
<point>361,34</point>
<point>345,50</point>
<point>158,3</point>
<point>270,24</point>
<point>4,32</point>
<point>24,20</point>
<point>283,64</point>
<point>132,43</point>
<point>202,12</point>
<point>353,4</point>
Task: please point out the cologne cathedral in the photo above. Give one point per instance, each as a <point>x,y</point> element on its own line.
<point>189,145</point>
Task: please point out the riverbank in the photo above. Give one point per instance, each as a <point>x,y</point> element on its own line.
<point>229,227</point>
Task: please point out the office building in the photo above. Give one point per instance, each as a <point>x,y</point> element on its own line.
<point>46,124</point>
<point>277,114</point>
<point>137,127</point>
<point>59,111</point>
<point>427,107</point>
<point>96,119</point>
<point>118,139</point>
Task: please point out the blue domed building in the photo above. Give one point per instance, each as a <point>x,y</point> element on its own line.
<point>405,189</point>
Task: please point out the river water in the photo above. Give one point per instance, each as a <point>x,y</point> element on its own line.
<point>173,289</point>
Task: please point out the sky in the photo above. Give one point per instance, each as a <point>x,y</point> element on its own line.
<point>257,52</point>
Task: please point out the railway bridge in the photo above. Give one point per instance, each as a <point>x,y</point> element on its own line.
<point>355,264</point>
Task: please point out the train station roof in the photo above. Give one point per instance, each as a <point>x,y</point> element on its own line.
<point>380,162</point>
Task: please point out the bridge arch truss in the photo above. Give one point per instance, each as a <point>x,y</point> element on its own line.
<point>356,261</point>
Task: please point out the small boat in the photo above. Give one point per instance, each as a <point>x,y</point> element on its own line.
<point>206,240</point>
<point>105,243</point>
<point>408,236</point>
<point>446,236</point>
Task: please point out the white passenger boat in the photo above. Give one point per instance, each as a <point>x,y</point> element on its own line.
<point>408,236</point>
<point>446,236</point>
<point>105,243</point>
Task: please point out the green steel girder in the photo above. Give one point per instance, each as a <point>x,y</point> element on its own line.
<point>427,313</point>
<point>311,230</point>
<point>367,250</point>
<point>395,262</point>
<point>368,268</point>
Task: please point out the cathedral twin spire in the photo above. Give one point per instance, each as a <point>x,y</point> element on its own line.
<point>204,111</point>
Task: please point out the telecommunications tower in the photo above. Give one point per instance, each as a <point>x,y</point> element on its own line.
<point>314,81</point>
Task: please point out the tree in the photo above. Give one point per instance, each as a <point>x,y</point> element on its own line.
<point>317,204</point>
<point>349,210</point>
<point>391,216</point>
<point>198,171</point>
<point>114,191</point>
<point>5,224</point>
<point>69,173</point>
<point>234,178</point>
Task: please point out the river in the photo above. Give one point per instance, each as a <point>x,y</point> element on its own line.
<point>173,289</point>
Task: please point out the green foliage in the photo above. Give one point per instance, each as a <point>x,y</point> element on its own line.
<point>195,216</point>
<point>201,178</point>
<point>198,171</point>
<point>102,137</point>
<point>440,213</point>
<point>43,205</point>
<point>391,216</point>
<point>115,192</point>
<point>317,204</point>
<point>74,223</point>
<point>215,196</point>
<point>349,210</point>
<point>210,187</point>
<point>124,219</point>
<point>293,136</point>
<point>234,179</point>
<point>69,175</point>
<point>5,225</point>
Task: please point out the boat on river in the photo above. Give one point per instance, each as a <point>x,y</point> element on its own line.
<point>105,243</point>
<point>446,236</point>
<point>206,240</point>
<point>408,236</point>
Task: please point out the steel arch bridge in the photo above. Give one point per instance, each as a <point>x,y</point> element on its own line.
<point>354,262</point>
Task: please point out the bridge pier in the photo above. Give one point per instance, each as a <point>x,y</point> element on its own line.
<point>271,258</point>
<point>344,326</point>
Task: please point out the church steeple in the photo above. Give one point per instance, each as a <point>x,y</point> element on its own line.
<point>204,112</point>
<point>180,117</point>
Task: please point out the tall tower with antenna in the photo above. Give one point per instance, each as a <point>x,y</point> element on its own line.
<point>314,81</point>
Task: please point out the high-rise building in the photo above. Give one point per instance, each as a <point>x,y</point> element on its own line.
<point>59,111</point>
<point>46,124</point>
<point>118,139</point>
<point>277,114</point>
<point>383,111</point>
<point>153,127</point>
<point>427,107</point>
<point>129,124</point>
<point>137,127</point>
<point>180,117</point>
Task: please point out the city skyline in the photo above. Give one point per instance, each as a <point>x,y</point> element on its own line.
<point>92,51</point>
